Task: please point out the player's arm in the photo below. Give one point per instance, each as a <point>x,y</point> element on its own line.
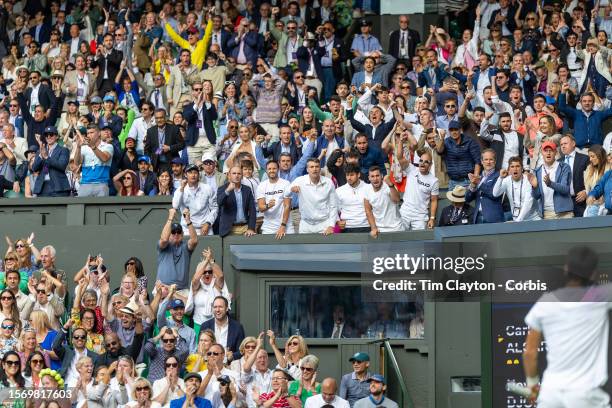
<point>530,359</point>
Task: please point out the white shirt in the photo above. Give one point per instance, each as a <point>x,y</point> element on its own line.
<point>483,82</point>
<point>74,47</point>
<point>34,97</point>
<point>523,206</point>
<point>202,203</point>
<point>255,380</point>
<point>212,390</point>
<point>292,46</point>
<point>82,87</point>
<point>201,302</point>
<point>570,162</point>
<point>317,401</point>
<point>548,192</point>
<point>607,143</point>
<point>350,205</point>
<point>160,385</point>
<point>417,196</point>
<point>221,333</point>
<point>139,130</point>
<point>318,202</point>
<point>72,376</point>
<point>273,217</point>
<point>386,212</point>
<point>576,335</point>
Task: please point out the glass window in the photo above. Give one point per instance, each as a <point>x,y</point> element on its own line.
<point>338,312</point>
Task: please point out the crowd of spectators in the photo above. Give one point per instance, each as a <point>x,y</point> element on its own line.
<point>289,117</point>
<point>172,344</point>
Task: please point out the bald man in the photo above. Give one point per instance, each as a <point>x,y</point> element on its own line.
<point>328,396</point>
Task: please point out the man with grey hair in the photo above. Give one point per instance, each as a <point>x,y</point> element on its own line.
<point>17,145</point>
<point>47,260</point>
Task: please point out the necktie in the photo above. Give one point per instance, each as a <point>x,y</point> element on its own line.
<point>567,159</point>
<point>336,333</point>
<point>215,39</point>
<point>403,43</point>
<point>157,104</point>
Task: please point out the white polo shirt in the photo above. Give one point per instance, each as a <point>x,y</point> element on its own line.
<point>350,204</point>
<point>386,212</point>
<point>417,196</point>
<point>273,217</point>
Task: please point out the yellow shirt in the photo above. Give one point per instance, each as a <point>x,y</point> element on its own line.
<point>191,361</point>
<point>198,53</point>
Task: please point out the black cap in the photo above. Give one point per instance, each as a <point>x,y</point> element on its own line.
<point>365,23</point>
<point>176,228</point>
<point>31,149</point>
<point>50,130</point>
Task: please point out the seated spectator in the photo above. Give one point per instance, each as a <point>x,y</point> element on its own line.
<point>458,213</point>
<point>171,345</point>
<point>378,387</point>
<point>306,386</point>
<point>279,396</point>
<point>126,185</point>
<point>215,374</point>
<point>171,386</point>
<point>328,396</point>
<point>221,321</point>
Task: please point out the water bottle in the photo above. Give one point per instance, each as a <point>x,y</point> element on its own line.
<point>369,334</point>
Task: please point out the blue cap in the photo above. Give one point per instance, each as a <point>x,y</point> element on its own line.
<point>31,149</point>
<point>378,378</point>
<point>360,356</point>
<point>50,129</point>
<point>454,125</point>
<point>177,160</point>
<point>74,102</point>
<point>109,98</point>
<point>176,304</point>
<point>144,158</point>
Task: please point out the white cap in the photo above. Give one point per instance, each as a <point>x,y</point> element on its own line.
<point>209,156</point>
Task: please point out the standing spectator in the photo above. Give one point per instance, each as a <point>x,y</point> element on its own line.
<point>461,155</point>
<point>403,42</point>
<point>488,206</point>
<point>505,141</point>
<point>378,387</point>
<point>518,190</point>
<point>37,119</point>
<point>163,142</point>
<point>288,42</point>
<point>199,198</point>
<point>365,43</point>
<point>421,196</point>
<point>380,201</point>
<point>107,60</point>
<point>376,129</point>
<point>237,213</point>
<point>354,386</point>
<point>94,156</point>
<point>595,72</point>
<point>268,100</point>
<point>79,84</point>
<point>578,163</point>
<point>194,44</point>
<point>602,188</point>
<point>71,353</point>
<point>594,172</point>
<point>551,185</point>
<point>351,201</point>
<point>173,254</point>
<point>200,138</point>
<point>51,161</point>
<point>139,127</point>
<point>228,332</point>
<point>318,200</point>
<point>270,202</point>
<point>331,62</point>
<point>182,75</point>
<point>587,121</point>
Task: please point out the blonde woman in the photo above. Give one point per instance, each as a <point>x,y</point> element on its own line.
<point>162,60</point>
<point>82,381</point>
<point>9,68</point>
<point>142,395</point>
<point>244,144</point>
<point>197,362</point>
<point>28,346</point>
<point>295,350</point>
<point>39,322</point>
<point>247,347</point>
<point>100,395</point>
<point>593,173</point>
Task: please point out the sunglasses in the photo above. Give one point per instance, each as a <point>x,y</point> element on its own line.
<point>294,343</point>
<point>213,353</point>
<point>252,347</point>
<point>171,365</point>
<point>11,327</point>
<point>230,83</point>
<point>10,259</point>
<point>450,106</point>
<point>197,89</point>
<point>19,245</point>
<point>530,18</point>
<point>36,361</point>
<point>131,263</point>
<point>13,363</point>
<point>14,106</point>
<point>41,291</point>
<point>79,337</point>
<point>308,369</point>
<point>425,162</point>
<point>168,341</point>
<point>138,389</point>
<point>208,272</point>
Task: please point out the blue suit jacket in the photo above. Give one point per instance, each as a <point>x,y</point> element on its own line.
<point>235,332</point>
<point>492,210</point>
<point>527,85</point>
<point>491,72</point>
<point>359,78</point>
<point>251,41</point>
<point>56,163</point>
<point>192,132</point>
<point>561,197</point>
<point>228,209</point>
<point>303,58</point>
<point>322,143</point>
<point>375,137</point>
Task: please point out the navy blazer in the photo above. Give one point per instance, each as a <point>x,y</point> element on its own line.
<point>275,151</point>
<point>303,59</point>
<point>251,41</point>
<point>45,96</point>
<point>322,143</point>
<point>581,162</point>
<point>235,333</point>
<point>227,208</point>
<point>491,72</point>
<point>192,132</point>
<point>56,163</point>
<point>492,210</point>
<point>225,37</point>
<point>375,137</point>
<point>44,35</point>
<point>172,138</point>
<point>561,186</point>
